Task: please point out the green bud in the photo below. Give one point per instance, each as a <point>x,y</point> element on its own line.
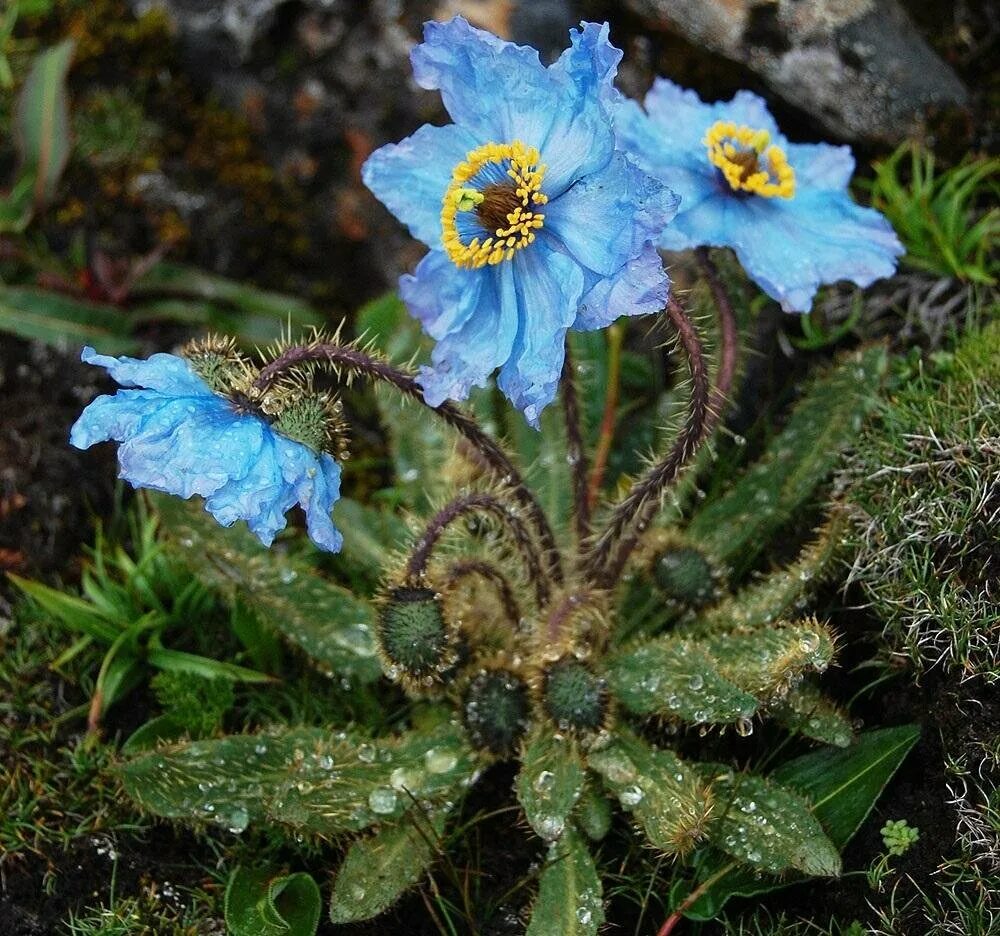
<point>219,363</point>
<point>413,634</point>
<point>573,696</point>
<point>684,575</point>
<point>496,710</point>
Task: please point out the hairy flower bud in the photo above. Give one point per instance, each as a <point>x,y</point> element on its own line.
<point>416,641</point>
<point>496,710</point>
<point>574,697</point>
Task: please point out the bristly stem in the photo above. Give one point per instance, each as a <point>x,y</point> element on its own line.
<point>492,574</point>
<point>574,449</point>
<point>616,335</point>
<point>728,335</point>
<point>355,361</point>
<point>473,504</point>
<point>632,515</point>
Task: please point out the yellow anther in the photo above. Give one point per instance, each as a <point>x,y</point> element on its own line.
<point>503,209</point>
<point>748,162</point>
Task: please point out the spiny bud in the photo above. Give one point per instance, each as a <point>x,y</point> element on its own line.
<point>574,697</point>
<point>219,362</point>
<point>414,637</point>
<point>496,710</point>
<point>685,576</point>
<point>314,418</point>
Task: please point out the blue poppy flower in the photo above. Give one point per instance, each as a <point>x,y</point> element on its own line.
<point>535,223</point>
<point>783,207</point>
<point>180,437</point>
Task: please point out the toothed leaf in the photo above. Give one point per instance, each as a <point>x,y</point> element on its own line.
<point>550,781</point>
<point>378,869</point>
<point>759,822</point>
<point>306,779</point>
<point>676,679</point>
<point>663,794</point>
<point>326,621</point>
<point>570,901</point>
<point>806,711</point>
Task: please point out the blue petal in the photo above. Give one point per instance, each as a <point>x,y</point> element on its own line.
<point>821,166</point>
<point>605,219</point>
<point>410,177</point>
<point>466,357</point>
<point>789,250</point>
<point>497,90</point>
<point>639,288</point>
<point>114,417</point>
<point>591,62</point>
<point>317,490</point>
<point>440,295</point>
<point>165,372</point>
<point>549,288</point>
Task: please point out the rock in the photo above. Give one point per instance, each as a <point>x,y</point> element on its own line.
<point>858,66</point>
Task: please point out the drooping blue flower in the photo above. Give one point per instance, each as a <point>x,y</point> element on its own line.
<point>783,207</point>
<point>180,437</point>
<point>535,223</point>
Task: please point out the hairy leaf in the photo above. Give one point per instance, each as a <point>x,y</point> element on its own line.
<point>380,868</point>
<point>569,901</point>
<point>550,781</point>
<point>806,711</point>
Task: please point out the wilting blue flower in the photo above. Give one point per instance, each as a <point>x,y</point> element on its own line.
<point>783,207</point>
<point>180,437</point>
<point>535,223</point>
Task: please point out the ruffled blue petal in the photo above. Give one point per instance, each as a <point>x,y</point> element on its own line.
<point>821,166</point>
<point>495,89</point>
<point>115,417</point>
<point>410,177</point>
<point>317,490</point>
<point>165,372</point>
<point>549,289</point>
<point>817,237</point>
<point>605,219</point>
<point>465,358</point>
<point>638,288</point>
<point>442,296</point>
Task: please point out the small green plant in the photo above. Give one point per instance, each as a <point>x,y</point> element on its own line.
<point>898,836</point>
<point>130,603</point>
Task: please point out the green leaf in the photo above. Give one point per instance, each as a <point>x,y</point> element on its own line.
<point>63,321</point>
<point>550,781</point>
<point>806,711</point>
<point>761,823</point>
<point>593,812</point>
<point>735,527</point>
<point>326,621</point>
<point>370,535</point>
<point>380,868</point>
<point>309,780</point>
<point>663,794</point>
<point>676,679</point>
<point>74,613</point>
<point>569,901</point>
<point>842,785</point>
<point>153,733</point>
<point>262,903</point>
<point>177,661</point>
<point>41,126</point>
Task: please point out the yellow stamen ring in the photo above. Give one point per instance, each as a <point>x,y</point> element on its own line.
<point>747,161</point>
<point>505,208</point>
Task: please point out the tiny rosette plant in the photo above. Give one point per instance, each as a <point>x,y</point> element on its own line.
<point>536,223</point>
<point>783,207</point>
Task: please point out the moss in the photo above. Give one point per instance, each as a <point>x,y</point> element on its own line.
<point>924,488</point>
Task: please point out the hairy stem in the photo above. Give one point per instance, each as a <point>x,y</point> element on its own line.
<point>632,515</point>
<point>616,335</point>
<point>355,361</point>
<point>574,450</point>
<point>492,574</point>
<point>728,335</point>
<point>468,504</point>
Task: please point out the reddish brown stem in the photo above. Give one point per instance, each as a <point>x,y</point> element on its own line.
<point>728,336</point>
<point>473,504</point>
<point>632,515</point>
<point>607,431</point>
<point>357,362</point>
<point>493,575</point>
<point>574,450</point>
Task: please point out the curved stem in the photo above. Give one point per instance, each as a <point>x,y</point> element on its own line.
<point>416,566</point>
<point>728,335</point>
<point>616,335</point>
<point>632,515</point>
<point>493,575</point>
<point>574,449</point>
<point>692,898</point>
<point>355,361</point>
